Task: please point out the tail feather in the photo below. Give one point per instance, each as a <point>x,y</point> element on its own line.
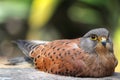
<point>27,46</point>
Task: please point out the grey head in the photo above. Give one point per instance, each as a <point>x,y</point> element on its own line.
<point>99,35</point>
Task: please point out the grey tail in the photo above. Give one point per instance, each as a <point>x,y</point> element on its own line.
<point>27,46</point>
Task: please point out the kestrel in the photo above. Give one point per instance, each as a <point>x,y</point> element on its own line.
<point>89,56</point>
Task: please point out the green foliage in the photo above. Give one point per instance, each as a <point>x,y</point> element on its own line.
<point>84,15</point>
<point>14,8</point>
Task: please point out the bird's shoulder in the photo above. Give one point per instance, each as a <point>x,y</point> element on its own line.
<point>65,43</point>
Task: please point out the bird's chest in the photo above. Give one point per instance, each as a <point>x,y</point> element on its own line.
<point>105,62</point>
<point>101,65</point>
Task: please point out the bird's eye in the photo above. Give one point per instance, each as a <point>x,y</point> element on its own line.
<point>93,37</point>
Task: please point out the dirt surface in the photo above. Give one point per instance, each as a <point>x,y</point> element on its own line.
<point>32,74</point>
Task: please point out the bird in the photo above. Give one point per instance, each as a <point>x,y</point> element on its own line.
<point>91,55</point>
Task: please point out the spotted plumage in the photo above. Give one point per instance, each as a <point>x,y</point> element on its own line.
<point>89,56</point>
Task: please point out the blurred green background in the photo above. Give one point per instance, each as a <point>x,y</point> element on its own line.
<point>56,19</point>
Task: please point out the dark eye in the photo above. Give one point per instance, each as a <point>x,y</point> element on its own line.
<point>93,37</point>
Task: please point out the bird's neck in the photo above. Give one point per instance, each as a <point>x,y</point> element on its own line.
<point>101,50</point>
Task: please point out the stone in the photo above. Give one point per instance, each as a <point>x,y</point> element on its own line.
<point>32,74</point>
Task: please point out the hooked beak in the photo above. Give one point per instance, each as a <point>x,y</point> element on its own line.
<point>103,41</point>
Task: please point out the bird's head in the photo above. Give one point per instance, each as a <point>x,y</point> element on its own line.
<point>96,39</point>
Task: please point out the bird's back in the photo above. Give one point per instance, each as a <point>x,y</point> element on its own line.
<point>58,57</point>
